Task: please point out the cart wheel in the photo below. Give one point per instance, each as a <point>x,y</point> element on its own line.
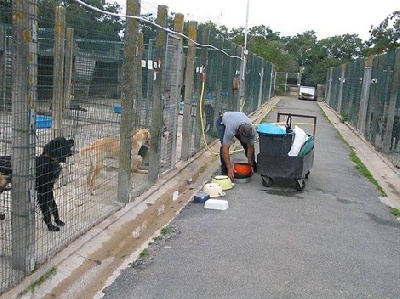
<point>267,181</point>
<point>300,185</point>
<point>307,174</point>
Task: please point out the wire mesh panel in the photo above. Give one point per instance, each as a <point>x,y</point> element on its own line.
<point>253,71</point>
<point>214,90</point>
<point>267,82</point>
<point>147,84</point>
<point>334,85</point>
<point>381,83</point>
<point>365,93</point>
<point>355,82</point>
<point>228,78</point>
<point>171,102</point>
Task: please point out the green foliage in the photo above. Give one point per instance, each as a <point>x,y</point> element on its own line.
<point>386,36</point>
<point>40,280</point>
<point>87,24</point>
<point>342,47</point>
<point>144,253</point>
<point>313,56</point>
<point>395,212</point>
<point>359,165</point>
<point>264,42</point>
<point>273,51</point>
<point>165,231</point>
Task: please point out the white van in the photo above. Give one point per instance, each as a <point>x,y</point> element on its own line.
<point>307,93</point>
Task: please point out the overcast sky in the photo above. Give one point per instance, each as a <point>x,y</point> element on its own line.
<point>289,17</point>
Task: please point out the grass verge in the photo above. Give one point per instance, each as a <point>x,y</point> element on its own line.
<point>40,281</point>
<point>359,165</point>
<point>395,212</point>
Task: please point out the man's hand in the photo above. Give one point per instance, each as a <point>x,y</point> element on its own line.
<point>231,174</point>
<point>250,156</point>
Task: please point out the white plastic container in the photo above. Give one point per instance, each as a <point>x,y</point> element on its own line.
<point>216,204</point>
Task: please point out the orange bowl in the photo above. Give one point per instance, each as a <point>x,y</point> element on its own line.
<point>242,168</point>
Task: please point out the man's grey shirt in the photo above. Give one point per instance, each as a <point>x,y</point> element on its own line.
<point>232,121</point>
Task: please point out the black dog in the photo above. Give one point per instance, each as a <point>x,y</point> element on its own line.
<point>48,169</point>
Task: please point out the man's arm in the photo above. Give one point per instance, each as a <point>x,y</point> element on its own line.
<point>250,154</point>
<point>227,159</point>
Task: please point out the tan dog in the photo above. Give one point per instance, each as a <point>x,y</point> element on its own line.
<point>109,147</point>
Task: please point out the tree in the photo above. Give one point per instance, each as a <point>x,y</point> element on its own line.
<point>87,23</point>
<point>303,48</point>
<point>262,41</point>
<point>386,36</point>
<point>314,57</point>
<point>301,45</point>
<point>330,52</point>
<point>263,32</point>
<point>343,47</point>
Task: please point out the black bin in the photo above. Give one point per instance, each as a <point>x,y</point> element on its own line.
<point>275,144</point>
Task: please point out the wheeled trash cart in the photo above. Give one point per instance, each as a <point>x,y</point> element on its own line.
<point>273,161</point>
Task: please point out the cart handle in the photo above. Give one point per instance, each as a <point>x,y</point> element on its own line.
<point>299,115</point>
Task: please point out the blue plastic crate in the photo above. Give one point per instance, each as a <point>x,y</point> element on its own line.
<point>43,122</point>
<point>117,108</point>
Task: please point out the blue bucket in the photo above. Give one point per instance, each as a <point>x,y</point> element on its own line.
<point>117,108</point>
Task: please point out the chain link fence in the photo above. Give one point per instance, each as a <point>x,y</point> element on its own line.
<point>70,79</point>
<point>366,94</point>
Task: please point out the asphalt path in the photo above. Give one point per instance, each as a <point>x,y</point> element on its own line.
<point>334,239</point>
